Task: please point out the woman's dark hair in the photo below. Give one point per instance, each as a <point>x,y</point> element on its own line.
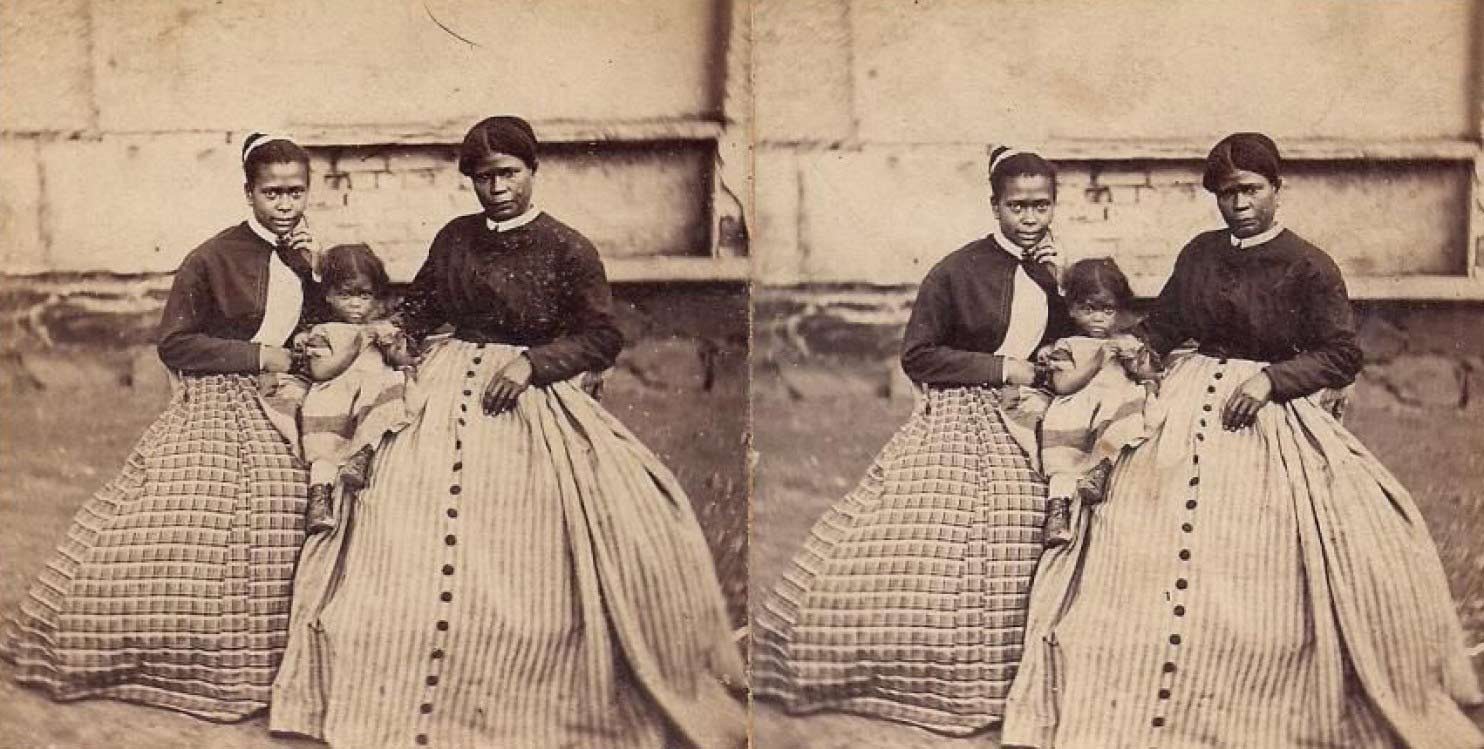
<point>260,150</point>
<point>1097,276</point>
<point>1247,152</point>
<point>345,263</point>
<point>1003,165</point>
<point>505,134</point>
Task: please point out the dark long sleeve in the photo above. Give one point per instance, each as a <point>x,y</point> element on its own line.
<point>1282,302</point>
<point>540,285</point>
<point>421,310</point>
<point>927,358</point>
<point>1330,357</point>
<point>964,312</point>
<point>187,339</point>
<point>1165,327</point>
<point>590,340</point>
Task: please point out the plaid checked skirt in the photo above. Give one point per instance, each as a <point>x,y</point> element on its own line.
<point>908,600</point>
<point>172,586</point>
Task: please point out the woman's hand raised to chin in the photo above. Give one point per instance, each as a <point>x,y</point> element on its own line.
<point>301,241</point>
<point>506,386</point>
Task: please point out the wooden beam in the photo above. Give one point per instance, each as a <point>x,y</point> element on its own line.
<point>674,269</point>
<point>549,131</point>
<point>1297,149</point>
<point>1389,288</point>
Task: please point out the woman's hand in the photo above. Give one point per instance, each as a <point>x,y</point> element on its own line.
<point>301,241</point>
<point>1242,407</point>
<point>275,359</point>
<point>1045,251</point>
<point>506,386</point>
<point>1018,372</point>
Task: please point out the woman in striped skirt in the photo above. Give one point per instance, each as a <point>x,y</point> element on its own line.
<point>520,571</point>
<point>1255,577</point>
<point>172,586</point>
<point>908,599</point>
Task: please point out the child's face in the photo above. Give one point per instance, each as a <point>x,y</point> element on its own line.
<point>1095,316</point>
<point>352,301</point>
<point>278,196</point>
<point>1024,209</point>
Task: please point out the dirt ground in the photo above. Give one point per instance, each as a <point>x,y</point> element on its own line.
<point>812,452</point>
<point>57,446</point>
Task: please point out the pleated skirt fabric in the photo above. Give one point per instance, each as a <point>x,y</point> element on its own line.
<point>1273,586</point>
<point>535,579</point>
<point>908,600</point>
<point>172,586</point>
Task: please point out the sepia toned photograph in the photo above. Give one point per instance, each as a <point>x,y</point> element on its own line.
<point>708,374</point>
<point>374,375</point>
<point>1116,373</point>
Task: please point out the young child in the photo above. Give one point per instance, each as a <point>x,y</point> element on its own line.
<point>360,368</point>
<point>1104,389</point>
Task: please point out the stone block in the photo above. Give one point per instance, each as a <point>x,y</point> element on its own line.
<point>801,71</point>
<point>22,244</point>
<point>46,79</point>
<point>775,248</point>
<point>1121,175</point>
<point>885,216</point>
<point>171,65</point>
<point>948,71</point>
<point>133,204</point>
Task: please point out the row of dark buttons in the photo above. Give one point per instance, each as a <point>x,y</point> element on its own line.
<point>449,540</point>
<point>1182,583</point>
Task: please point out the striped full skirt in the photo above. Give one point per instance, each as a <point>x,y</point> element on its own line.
<point>533,579</point>
<point>172,586</point>
<point>908,599</point>
<point>1273,586</point>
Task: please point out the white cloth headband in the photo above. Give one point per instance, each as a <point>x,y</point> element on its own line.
<point>260,141</point>
<point>1005,154</point>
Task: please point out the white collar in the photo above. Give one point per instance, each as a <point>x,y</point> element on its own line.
<point>1243,243</point>
<point>268,236</point>
<point>513,223</point>
<point>1010,248</point>
<point>262,231</point>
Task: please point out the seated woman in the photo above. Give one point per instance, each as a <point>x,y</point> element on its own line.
<point>907,601</point>
<point>171,587</point>
<point>1255,577</point>
<point>519,571</point>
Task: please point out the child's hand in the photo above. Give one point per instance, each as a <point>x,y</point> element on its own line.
<point>1018,372</point>
<point>383,331</point>
<point>1125,346</point>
